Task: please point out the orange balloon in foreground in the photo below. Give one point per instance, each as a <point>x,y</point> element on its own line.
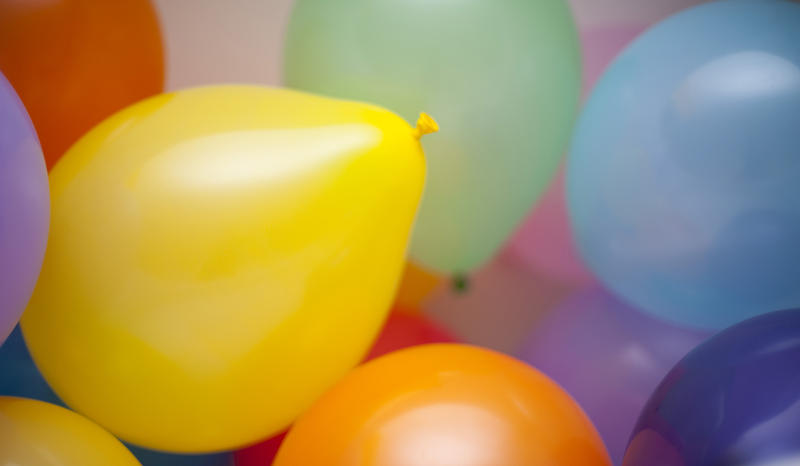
<point>75,62</point>
<point>444,405</point>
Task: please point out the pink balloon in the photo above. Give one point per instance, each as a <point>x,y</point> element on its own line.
<point>544,241</point>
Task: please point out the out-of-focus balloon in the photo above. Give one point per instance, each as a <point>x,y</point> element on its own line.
<point>500,305</point>
<point>404,330</point>
<point>415,288</point>
<point>608,356</point>
<point>75,62</point>
<point>682,181</point>
<point>21,378</point>
<point>213,42</point>
<point>24,208</point>
<point>544,240</point>
<point>262,454</point>
<point>157,458</point>
<point>441,405</point>
<point>734,400</point>
<point>218,257</point>
<point>34,433</point>
<point>502,76</point>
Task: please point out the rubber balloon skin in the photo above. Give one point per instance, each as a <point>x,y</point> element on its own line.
<point>218,257</point>
<point>682,178</point>
<point>404,330</point>
<point>501,76</point>
<point>441,405</point>
<point>75,62</point>
<point>734,400</point>
<point>21,378</point>
<point>24,208</point>
<point>37,433</point>
<point>608,356</point>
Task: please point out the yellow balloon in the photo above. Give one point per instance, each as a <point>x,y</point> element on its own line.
<point>33,433</point>
<point>218,257</point>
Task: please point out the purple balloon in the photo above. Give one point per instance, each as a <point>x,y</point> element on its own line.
<point>608,356</point>
<point>734,400</point>
<point>24,208</point>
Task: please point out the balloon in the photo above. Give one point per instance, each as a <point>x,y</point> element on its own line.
<point>404,330</point>
<point>502,76</point>
<point>24,208</point>
<point>34,433</point>
<point>608,356</point>
<point>261,454</point>
<point>21,378</point>
<point>74,62</point>
<point>544,240</point>
<point>733,400</point>
<point>504,300</point>
<point>218,257</point>
<point>682,180</point>
<point>416,287</point>
<point>441,405</point>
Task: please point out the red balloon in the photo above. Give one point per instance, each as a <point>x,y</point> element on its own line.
<point>402,330</point>
<point>260,454</point>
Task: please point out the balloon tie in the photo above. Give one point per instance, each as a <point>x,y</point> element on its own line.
<point>425,125</point>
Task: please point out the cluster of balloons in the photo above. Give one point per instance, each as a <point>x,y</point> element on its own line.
<point>219,259</point>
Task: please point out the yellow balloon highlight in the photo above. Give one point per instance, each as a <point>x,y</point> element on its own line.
<point>33,433</point>
<point>218,257</point>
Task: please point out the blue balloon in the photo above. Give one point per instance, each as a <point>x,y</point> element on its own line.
<point>682,180</point>
<point>20,377</point>
<point>733,400</point>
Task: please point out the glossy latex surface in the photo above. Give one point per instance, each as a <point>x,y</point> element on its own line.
<point>443,405</point>
<point>501,76</point>
<point>682,178</point>
<point>33,433</point>
<point>218,257</point>
<point>24,208</point>
<point>734,400</point>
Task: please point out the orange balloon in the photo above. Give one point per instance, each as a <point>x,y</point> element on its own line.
<point>444,405</point>
<point>75,62</point>
<point>416,286</point>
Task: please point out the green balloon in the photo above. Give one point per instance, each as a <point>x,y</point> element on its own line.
<point>501,77</point>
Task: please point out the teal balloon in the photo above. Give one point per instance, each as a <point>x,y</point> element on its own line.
<point>501,77</point>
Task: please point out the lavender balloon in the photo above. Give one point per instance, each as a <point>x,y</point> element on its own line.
<point>608,356</point>
<point>24,208</point>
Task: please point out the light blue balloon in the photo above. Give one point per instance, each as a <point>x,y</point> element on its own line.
<point>684,172</point>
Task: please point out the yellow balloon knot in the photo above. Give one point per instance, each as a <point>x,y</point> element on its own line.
<point>425,125</point>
